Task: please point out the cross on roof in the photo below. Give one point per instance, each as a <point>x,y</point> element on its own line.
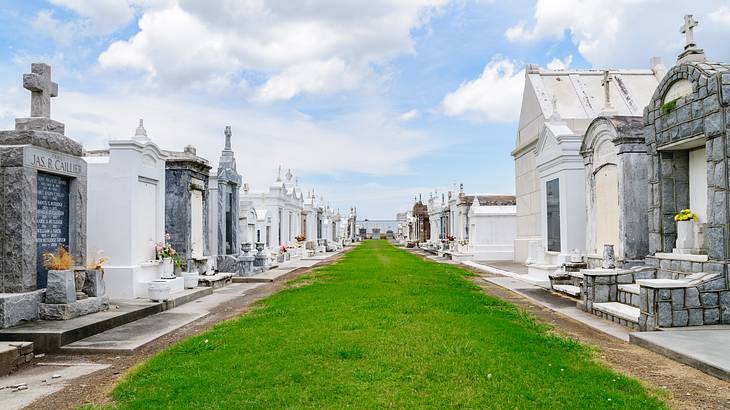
<point>227,133</point>
<point>606,83</point>
<point>39,83</point>
<point>687,29</point>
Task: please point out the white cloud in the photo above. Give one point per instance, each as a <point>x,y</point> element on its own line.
<point>46,23</point>
<point>318,77</point>
<point>103,16</point>
<point>558,64</point>
<point>319,46</point>
<point>721,15</point>
<point>626,33</point>
<point>409,115</point>
<point>496,94</point>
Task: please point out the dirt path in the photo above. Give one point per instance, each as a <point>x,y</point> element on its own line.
<point>685,387</point>
<point>95,388</point>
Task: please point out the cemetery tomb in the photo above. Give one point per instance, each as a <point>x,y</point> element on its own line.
<point>133,169</point>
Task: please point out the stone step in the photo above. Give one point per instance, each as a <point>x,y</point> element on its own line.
<point>50,335</point>
<point>568,289</point>
<point>15,355</point>
<point>632,288</point>
<point>619,310</point>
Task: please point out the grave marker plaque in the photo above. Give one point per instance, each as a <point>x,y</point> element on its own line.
<point>52,219</point>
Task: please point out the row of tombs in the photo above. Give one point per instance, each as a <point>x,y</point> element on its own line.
<point>655,189</point>
<point>144,222</point>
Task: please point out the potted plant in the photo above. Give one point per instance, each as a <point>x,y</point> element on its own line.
<point>168,255</point>
<point>61,284</point>
<point>685,229</point>
<point>94,285</point>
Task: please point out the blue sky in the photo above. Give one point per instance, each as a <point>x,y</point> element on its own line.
<point>369,102</point>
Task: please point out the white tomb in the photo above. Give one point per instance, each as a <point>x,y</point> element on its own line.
<point>126,213</point>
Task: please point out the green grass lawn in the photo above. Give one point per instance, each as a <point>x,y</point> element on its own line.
<point>380,328</point>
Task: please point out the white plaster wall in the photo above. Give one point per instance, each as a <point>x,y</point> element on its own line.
<point>492,233</point>
<point>529,205</point>
<point>116,212</point>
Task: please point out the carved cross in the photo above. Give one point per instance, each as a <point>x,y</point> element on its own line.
<point>606,83</point>
<point>687,29</point>
<point>227,133</point>
<point>39,83</point>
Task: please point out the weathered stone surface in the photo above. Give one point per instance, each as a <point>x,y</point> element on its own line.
<point>692,297</point>
<point>61,287</point>
<point>711,316</point>
<point>677,299</point>
<point>695,317</point>
<point>664,314</point>
<point>94,285</point>
<point>19,307</point>
<point>681,318</point>
<point>709,298</point>
<point>44,139</point>
<point>71,310</point>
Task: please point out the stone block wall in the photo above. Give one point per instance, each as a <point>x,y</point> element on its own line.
<point>705,304</point>
<point>701,113</point>
<point>601,288</point>
<point>679,269</point>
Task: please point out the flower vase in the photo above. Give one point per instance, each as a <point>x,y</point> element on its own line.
<point>168,268</point>
<point>685,235</point>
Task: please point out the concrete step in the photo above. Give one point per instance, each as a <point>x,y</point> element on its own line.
<point>50,335</point>
<point>128,338</point>
<point>619,310</point>
<point>570,290</point>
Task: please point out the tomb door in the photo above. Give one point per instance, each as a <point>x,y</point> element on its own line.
<point>52,207</point>
<point>552,189</point>
<point>606,215</point>
<point>229,222</point>
<point>698,183</point>
<point>196,223</point>
<point>147,220</point>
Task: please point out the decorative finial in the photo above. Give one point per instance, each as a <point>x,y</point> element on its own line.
<point>278,176</point>
<point>289,175</point>
<point>140,134</point>
<point>228,134</point>
<point>555,116</point>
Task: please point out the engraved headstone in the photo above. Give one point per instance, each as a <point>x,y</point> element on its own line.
<point>43,197</point>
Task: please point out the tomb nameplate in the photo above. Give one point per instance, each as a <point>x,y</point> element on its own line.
<point>51,219</point>
<point>53,162</point>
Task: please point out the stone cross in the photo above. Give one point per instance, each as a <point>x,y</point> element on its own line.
<point>606,83</point>
<point>39,83</point>
<point>687,29</point>
<point>227,133</point>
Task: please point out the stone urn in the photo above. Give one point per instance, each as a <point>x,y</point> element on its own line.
<point>259,247</point>
<point>61,288</point>
<point>94,285</point>
<point>190,279</point>
<point>168,268</point>
<point>246,248</point>
<point>685,235</point>
<point>609,257</point>
<point>158,291</point>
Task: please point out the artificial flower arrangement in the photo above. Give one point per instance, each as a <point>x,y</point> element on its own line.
<point>283,248</point>
<point>464,242</point>
<point>685,215</point>
<point>300,238</point>
<point>450,238</point>
<point>165,250</point>
<point>58,260</point>
<point>97,263</point>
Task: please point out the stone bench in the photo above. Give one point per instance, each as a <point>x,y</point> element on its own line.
<point>568,283</point>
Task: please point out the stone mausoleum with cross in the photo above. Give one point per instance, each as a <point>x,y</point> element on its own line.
<point>42,200</point>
